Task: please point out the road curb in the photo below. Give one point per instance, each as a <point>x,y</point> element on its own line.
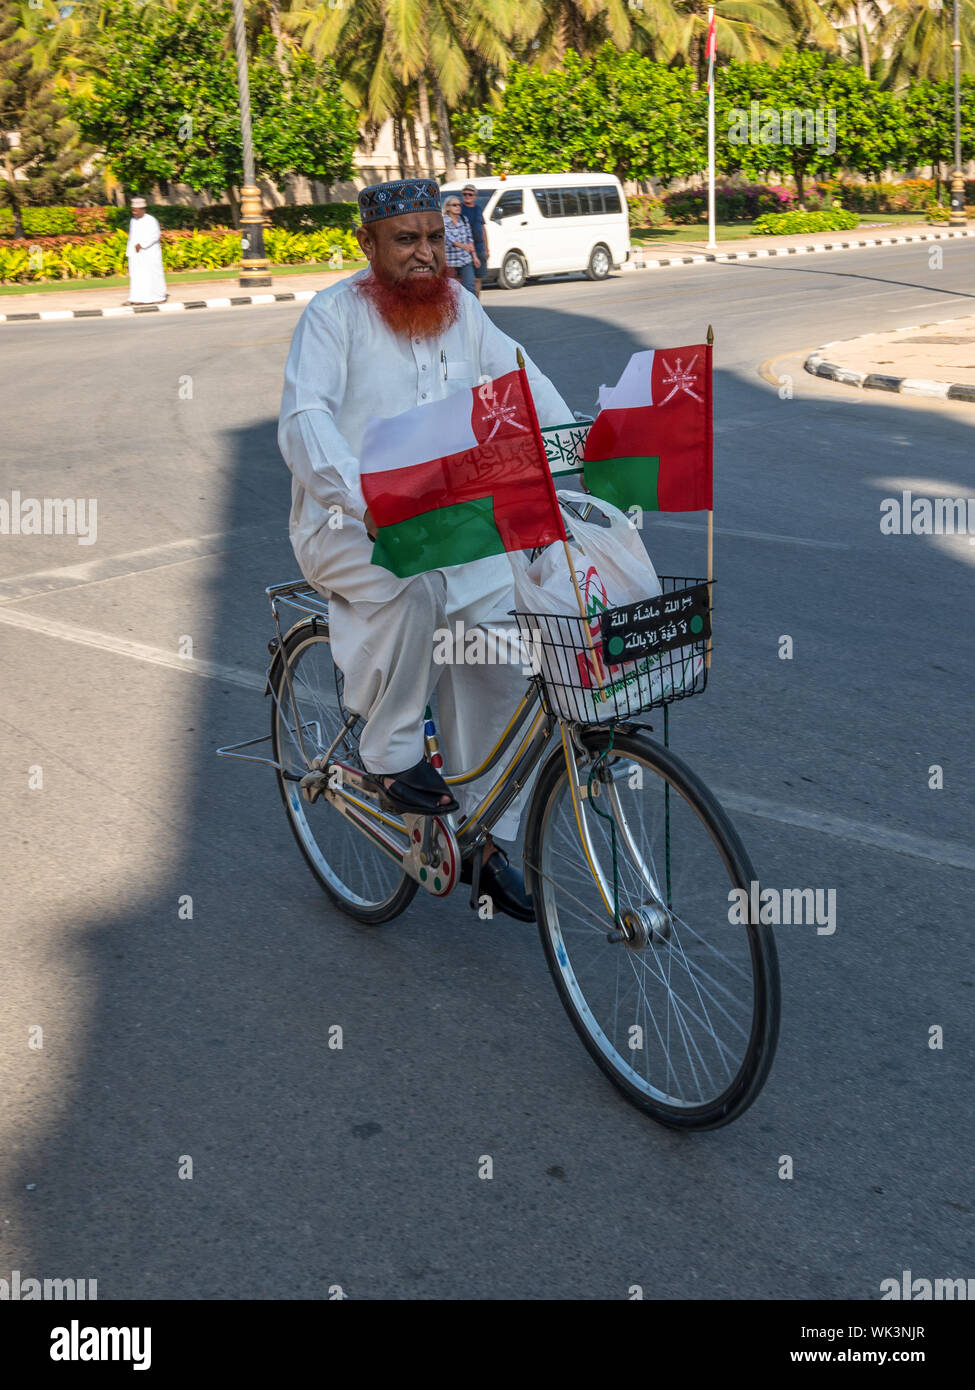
<point>765,252</point>
<point>176,306</point>
<point>817,365</point>
<point>301,296</point>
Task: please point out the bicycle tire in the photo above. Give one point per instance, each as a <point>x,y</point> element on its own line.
<point>646,1093</point>
<point>296,647</point>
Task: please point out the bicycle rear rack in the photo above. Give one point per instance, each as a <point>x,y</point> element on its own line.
<point>301,596</point>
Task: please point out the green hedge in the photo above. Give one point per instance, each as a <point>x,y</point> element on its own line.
<point>64,221</point>
<point>67,221</point>
<point>311,217</point>
<point>906,195</point>
<point>782,223</point>
<point>22,262</point>
<point>645,210</point>
<point>733,202</point>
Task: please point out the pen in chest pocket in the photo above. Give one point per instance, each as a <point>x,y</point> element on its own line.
<point>443,362</point>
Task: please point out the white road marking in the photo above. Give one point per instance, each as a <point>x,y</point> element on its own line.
<point>952,854</point>
<point>123,646</point>
<point>754,535</point>
<point>30,585</point>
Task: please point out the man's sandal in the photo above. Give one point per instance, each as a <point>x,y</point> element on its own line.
<point>416,792</point>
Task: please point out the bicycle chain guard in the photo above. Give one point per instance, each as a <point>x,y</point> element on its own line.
<point>430,855</point>
<point>434,859</point>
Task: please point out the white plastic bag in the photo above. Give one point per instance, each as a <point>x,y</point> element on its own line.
<point>612,569</point>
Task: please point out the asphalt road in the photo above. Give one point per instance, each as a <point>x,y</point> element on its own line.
<point>166,1036</point>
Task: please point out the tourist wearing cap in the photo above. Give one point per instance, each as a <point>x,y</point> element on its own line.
<point>147,282</point>
<point>459,244</point>
<point>473,215</point>
<point>399,335</point>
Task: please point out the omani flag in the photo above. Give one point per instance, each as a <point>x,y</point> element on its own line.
<point>650,444</point>
<point>459,479</point>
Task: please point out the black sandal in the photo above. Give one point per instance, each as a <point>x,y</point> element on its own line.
<point>502,883</point>
<point>417,791</point>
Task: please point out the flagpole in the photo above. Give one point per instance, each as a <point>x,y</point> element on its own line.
<point>710,428</point>
<point>712,245</point>
<point>558,512</point>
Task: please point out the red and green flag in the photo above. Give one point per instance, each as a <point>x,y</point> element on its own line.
<point>650,445</point>
<point>460,479</point>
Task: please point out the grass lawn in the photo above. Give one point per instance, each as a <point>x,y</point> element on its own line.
<point>691,231</point>
<point>175,277</point>
<point>697,232</point>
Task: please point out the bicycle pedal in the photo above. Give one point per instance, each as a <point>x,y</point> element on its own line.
<point>314,784</point>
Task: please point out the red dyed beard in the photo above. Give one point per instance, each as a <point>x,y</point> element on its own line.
<point>414,307</point>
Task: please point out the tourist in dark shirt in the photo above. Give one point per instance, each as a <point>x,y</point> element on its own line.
<point>475,218</point>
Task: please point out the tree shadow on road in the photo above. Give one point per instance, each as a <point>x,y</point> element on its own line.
<point>315,1168</point>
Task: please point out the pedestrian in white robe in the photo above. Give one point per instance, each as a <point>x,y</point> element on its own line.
<point>346,365</point>
<point>147,282</point>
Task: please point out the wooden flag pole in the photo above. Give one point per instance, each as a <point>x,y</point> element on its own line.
<point>597,663</point>
<point>710,344</point>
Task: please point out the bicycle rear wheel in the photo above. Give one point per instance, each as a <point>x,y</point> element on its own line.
<point>681,1011</point>
<point>358,877</point>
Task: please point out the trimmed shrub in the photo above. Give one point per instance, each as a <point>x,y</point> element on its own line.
<point>68,221</point>
<point>645,210</point>
<point>906,195</point>
<point>781,224</point>
<point>200,250</point>
<point>293,248</point>
<point>733,202</point>
<point>311,217</point>
<point>219,216</point>
<point>95,257</point>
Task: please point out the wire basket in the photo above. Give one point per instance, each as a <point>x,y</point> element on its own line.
<point>577,681</point>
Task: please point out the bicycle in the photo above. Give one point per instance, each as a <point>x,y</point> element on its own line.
<point>629,858</point>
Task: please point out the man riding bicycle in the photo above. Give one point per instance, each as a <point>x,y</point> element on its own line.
<point>394,336</point>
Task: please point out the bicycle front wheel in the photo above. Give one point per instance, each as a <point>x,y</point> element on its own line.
<point>679,1008</point>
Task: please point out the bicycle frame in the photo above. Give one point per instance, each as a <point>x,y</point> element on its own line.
<point>521,748</point>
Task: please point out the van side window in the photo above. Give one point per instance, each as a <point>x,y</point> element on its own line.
<point>549,201</point>
<point>577,202</point>
<point>509,204</point>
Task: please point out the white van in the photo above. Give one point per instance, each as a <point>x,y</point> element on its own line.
<point>546,224</point>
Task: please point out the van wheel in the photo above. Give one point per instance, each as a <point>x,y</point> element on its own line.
<point>600,263</point>
<point>513,271</point>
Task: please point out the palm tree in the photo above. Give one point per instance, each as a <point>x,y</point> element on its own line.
<point>63,38</point>
<point>745,30</point>
<point>858,23</point>
<point>383,49</point>
<point>916,41</point>
<point>547,29</point>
